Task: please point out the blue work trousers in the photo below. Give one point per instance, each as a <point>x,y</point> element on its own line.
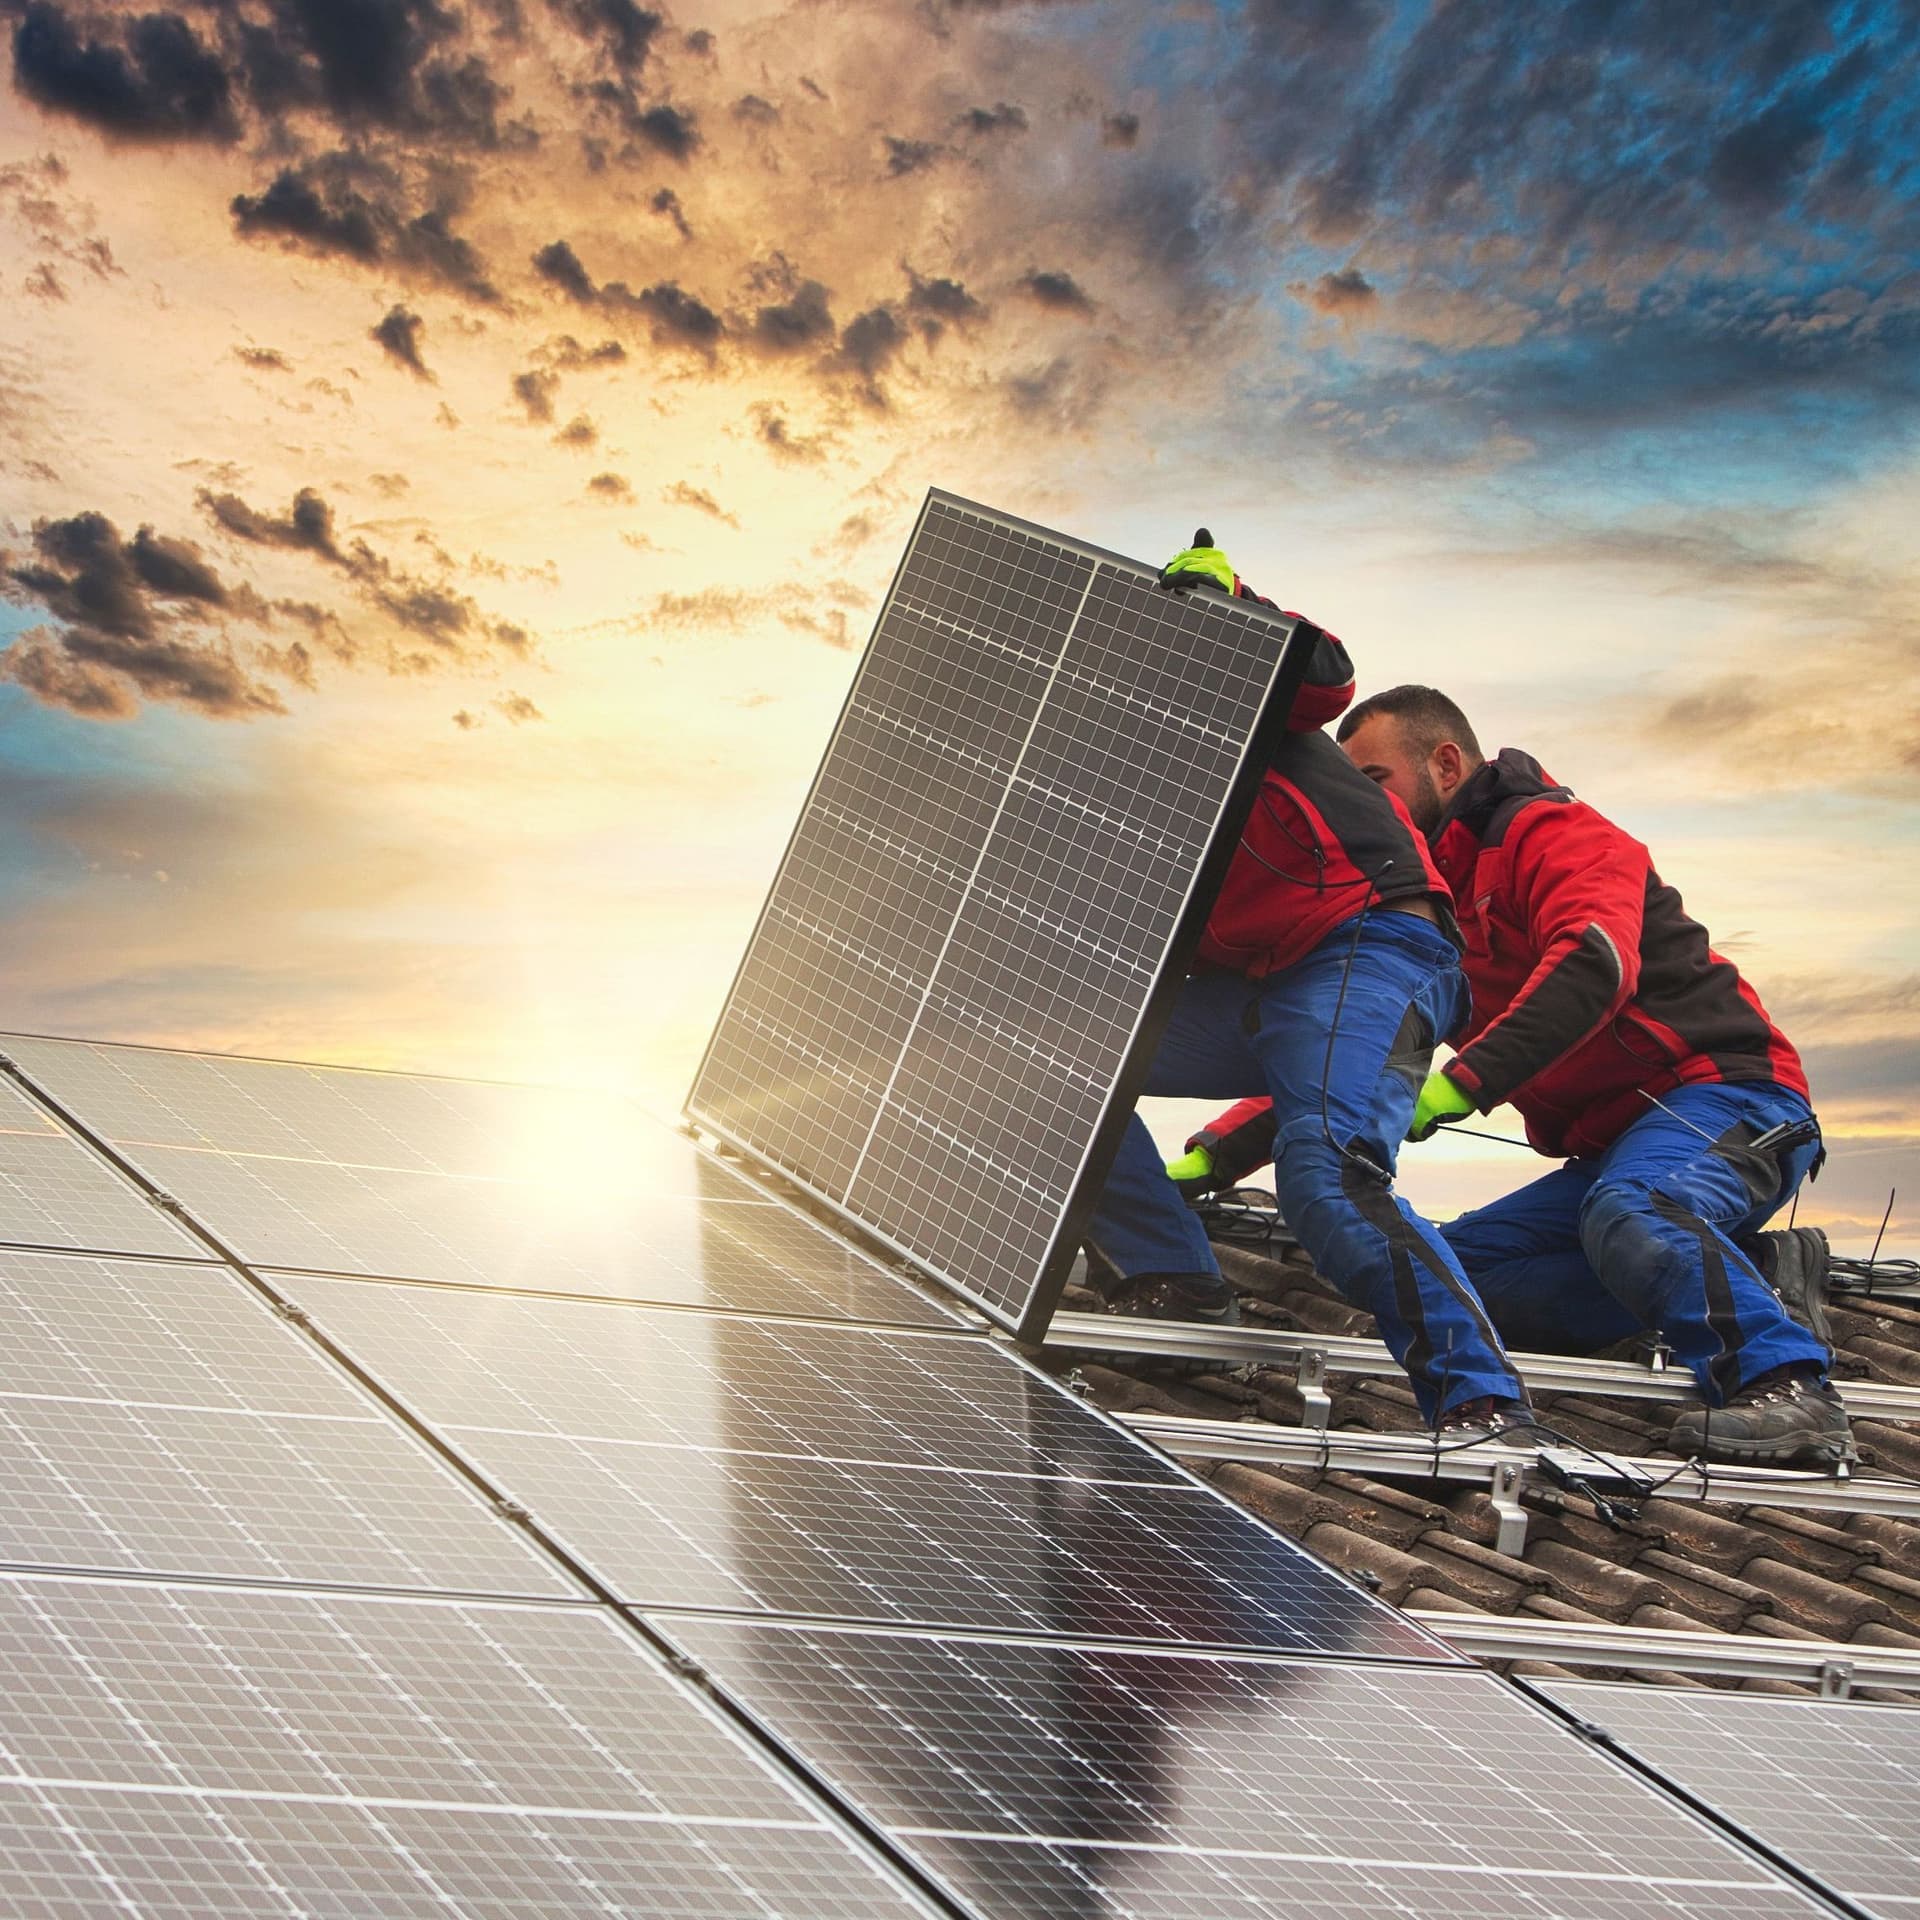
<point>1641,1237</point>
<point>1341,1042</point>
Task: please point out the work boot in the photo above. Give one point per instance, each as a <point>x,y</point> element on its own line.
<point>1788,1417</point>
<point>1794,1263</point>
<point>1488,1414</point>
<point>1204,1297</point>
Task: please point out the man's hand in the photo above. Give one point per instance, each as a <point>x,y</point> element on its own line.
<point>1440,1101</point>
<point>1200,565</point>
<point>1192,1173</point>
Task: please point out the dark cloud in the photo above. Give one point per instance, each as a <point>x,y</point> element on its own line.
<point>399,335</point>
<point>910,156</point>
<point>700,43</point>
<point>801,320</point>
<point>868,344</point>
<point>44,282</point>
<point>754,111</point>
<point>146,79</point>
<point>348,205</point>
<point>666,203</point>
<point>775,432</point>
<point>1060,291</point>
<point>263,359</point>
<point>578,432</point>
<point>307,526</point>
<point>624,32</point>
<point>133,619</point>
<point>559,265</point>
<point>565,354</point>
<point>677,318</point>
<point>981,122</point>
<point>684,494</point>
<point>1120,130</point>
<point>668,129</point>
<point>611,486</point>
<point>467,720</point>
<point>1345,293</point>
<point>940,302</point>
<point>535,390</point>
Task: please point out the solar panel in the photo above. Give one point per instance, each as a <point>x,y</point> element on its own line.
<point>333,1169</point>
<point>205,1750</point>
<point>1059,1779</point>
<point>161,1418</point>
<point>55,1193</point>
<point>945,1010</point>
<point>1833,1786</point>
<point>706,1461</point>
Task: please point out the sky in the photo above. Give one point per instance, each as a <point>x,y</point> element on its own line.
<point>453,451</point>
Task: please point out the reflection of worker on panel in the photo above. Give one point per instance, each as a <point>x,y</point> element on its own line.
<point>1328,970</point>
<point>1601,1012</point>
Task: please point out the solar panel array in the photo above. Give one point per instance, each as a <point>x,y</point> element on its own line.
<point>942,1010</point>
<point>1835,1786</point>
<point>370,1611</point>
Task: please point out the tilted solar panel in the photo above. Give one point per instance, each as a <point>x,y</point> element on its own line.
<point>1832,1785</point>
<point>941,1019</point>
<point>1054,1780</point>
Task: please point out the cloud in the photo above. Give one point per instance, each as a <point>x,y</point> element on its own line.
<point>565,354</point>
<point>683,493</point>
<point>983,122</point>
<point>751,110</point>
<point>621,30</point>
<point>518,708</point>
<point>1120,130</point>
<point>133,622</point>
<point>263,359</point>
<point>578,432</point>
<point>348,206</point>
<point>1346,293</point>
<point>906,157</point>
<point>776,433</point>
<point>1058,291</point>
<point>146,79</point>
<point>869,343</point>
<point>666,203</point>
<point>399,335</point>
<point>673,316</point>
<point>610,486</point>
<point>803,319</point>
<point>306,527</point>
<point>668,129</point>
<point>559,265</point>
<point>535,390</point>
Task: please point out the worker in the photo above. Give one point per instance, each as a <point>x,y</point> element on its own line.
<point>1601,1011</point>
<point>1328,969</point>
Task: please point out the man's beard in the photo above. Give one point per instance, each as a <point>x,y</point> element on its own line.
<point>1427,808</point>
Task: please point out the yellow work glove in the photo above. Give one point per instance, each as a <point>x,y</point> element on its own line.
<point>1193,1172</point>
<point>1200,565</point>
<point>1440,1100</point>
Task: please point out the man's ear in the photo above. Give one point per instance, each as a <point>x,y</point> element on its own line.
<point>1449,766</point>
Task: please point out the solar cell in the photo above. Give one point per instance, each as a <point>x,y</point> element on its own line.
<point>232,1750</point>
<point>1059,1779</point>
<point>699,1460</point>
<point>332,1169</point>
<point>1834,1786</point>
<point>54,1192</point>
<point>941,1014</point>
<point>160,1418</point>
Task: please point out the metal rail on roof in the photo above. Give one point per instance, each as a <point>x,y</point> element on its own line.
<point>1836,1667</point>
<point>1507,1468</point>
<point>1323,1353</point>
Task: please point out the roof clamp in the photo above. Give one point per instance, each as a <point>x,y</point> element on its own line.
<point>165,1201</point>
<point>292,1311</point>
<point>1504,1491</point>
<point>511,1510</point>
<point>1659,1356</point>
<point>1310,1377</point>
<point>1836,1679</point>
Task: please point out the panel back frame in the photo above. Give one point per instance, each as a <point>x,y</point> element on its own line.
<point>1295,639</point>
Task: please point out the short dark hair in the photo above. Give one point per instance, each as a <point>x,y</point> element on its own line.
<point>1426,715</point>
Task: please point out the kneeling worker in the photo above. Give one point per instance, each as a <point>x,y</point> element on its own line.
<point>1329,969</point>
<point>1601,1012</point>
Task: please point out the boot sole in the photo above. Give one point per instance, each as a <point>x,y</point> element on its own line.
<point>1834,1450</point>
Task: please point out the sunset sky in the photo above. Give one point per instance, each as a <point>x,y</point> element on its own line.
<point>451,454</point>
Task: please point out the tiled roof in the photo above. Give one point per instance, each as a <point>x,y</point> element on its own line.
<point>1676,1564</point>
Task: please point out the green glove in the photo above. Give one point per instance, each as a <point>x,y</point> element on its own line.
<point>1195,1164</point>
<point>1202,564</point>
<point>1440,1100</point>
